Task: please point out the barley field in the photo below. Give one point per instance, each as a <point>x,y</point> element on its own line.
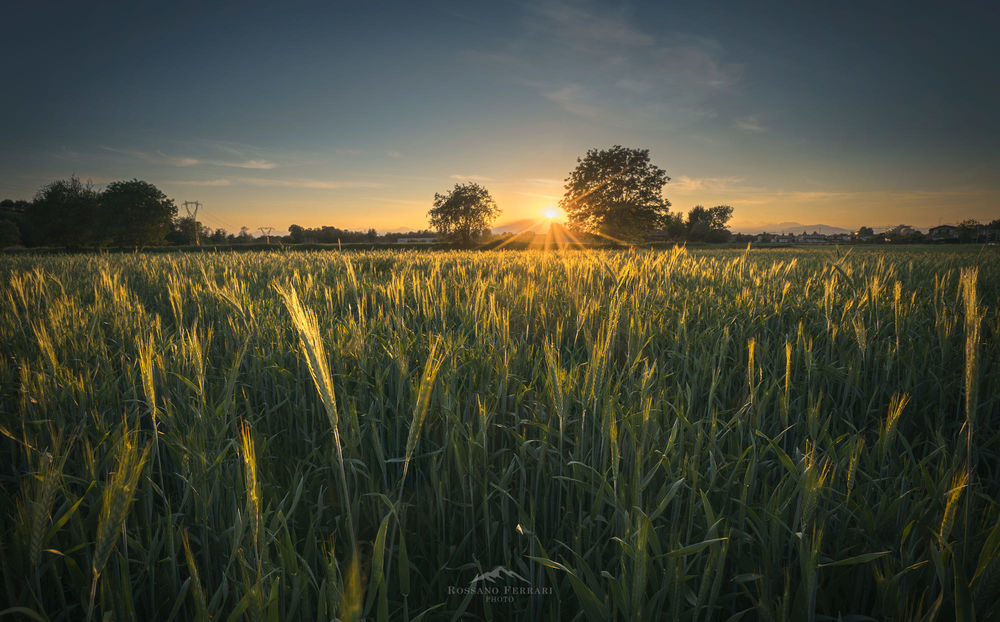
<point>781,434</point>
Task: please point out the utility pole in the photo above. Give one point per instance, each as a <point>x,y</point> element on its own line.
<point>266,233</point>
<point>193,215</point>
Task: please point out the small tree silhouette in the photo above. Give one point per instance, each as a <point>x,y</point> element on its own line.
<point>464,213</point>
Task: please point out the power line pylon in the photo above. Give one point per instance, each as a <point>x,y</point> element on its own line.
<point>193,215</point>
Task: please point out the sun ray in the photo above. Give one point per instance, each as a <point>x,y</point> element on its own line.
<point>566,203</point>
<point>614,239</point>
<point>519,233</point>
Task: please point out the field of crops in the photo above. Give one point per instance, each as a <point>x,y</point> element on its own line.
<point>686,435</point>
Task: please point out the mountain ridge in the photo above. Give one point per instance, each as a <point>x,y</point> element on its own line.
<point>790,227</point>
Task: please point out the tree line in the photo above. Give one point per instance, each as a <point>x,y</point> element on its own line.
<point>614,194</point>
<point>133,213</point>
<point>72,213</point>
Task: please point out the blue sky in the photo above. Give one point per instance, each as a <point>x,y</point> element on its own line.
<point>354,114</point>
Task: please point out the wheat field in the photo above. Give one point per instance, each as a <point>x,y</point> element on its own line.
<point>636,435</point>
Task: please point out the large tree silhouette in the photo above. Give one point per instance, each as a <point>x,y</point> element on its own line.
<point>616,192</point>
<point>64,213</point>
<point>136,213</point>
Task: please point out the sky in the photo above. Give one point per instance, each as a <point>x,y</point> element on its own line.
<point>354,114</point>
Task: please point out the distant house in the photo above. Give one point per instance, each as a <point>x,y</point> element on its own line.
<point>811,238</point>
<point>900,231</point>
<point>943,233</point>
<point>785,238</point>
<point>978,233</point>
<point>430,239</point>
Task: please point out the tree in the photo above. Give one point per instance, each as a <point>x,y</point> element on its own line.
<point>136,213</point>
<point>64,213</point>
<point>464,213</point>
<point>970,230</point>
<point>12,210</point>
<point>10,234</point>
<point>187,230</point>
<point>674,225</point>
<point>616,192</point>
<point>296,233</point>
<point>709,224</point>
<point>11,222</point>
<point>218,236</point>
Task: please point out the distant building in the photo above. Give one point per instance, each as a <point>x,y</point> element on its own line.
<point>899,231</point>
<point>943,233</point>
<point>811,238</point>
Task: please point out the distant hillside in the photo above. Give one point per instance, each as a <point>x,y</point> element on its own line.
<point>790,227</point>
<point>524,224</point>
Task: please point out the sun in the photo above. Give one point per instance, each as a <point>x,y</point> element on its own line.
<point>553,213</point>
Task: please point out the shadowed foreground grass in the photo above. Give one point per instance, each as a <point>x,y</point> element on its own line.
<point>774,435</point>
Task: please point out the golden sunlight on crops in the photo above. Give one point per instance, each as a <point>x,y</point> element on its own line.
<point>383,434</point>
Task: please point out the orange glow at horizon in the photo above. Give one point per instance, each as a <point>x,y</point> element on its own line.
<point>552,212</point>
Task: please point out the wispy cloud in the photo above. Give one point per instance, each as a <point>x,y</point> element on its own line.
<point>265,182</point>
<point>207,183</point>
<point>311,184</point>
<point>575,99</point>
<point>575,23</point>
<point>683,183</point>
<point>601,63</point>
<point>160,158</point>
<point>698,63</point>
<point>394,154</point>
<point>155,157</point>
<point>471,178</point>
<point>251,164</point>
<point>749,124</point>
